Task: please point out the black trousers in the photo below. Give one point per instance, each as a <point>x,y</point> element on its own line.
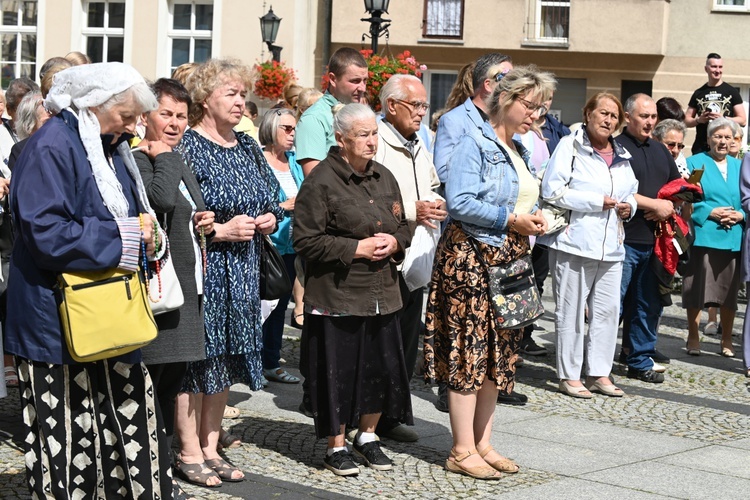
<point>167,379</point>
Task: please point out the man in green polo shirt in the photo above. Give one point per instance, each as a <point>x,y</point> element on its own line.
<point>347,80</point>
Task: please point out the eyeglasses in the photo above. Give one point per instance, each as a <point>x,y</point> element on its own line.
<point>416,105</point>
<point>288,128</point>
<point>679,145</point>
<point>501,75</point>
<point>532,108</point>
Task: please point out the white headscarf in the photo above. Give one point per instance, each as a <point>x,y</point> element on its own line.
<point>91,85</point>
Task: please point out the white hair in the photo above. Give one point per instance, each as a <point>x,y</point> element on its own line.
<point>395,88</point>
<point>345,116</point>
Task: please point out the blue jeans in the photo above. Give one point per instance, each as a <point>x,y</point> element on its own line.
<point>640,306</point>
<point>273,328</point>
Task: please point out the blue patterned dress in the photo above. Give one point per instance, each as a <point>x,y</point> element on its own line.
<point>233,181</point>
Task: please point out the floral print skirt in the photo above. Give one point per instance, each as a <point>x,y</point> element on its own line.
<point>463,345</point>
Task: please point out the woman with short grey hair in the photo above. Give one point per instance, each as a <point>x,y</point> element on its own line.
<point>671,133</point>
<point>712,277</point>
<point>351,230</point>
<point>276,134</point>
<point>30,115</point>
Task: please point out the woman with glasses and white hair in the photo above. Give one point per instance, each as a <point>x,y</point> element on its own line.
<point>276,134</point>
<point>78,203</point>
<point>712,277</point>
<point>492,194</point>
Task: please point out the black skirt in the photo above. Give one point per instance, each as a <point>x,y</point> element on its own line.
<point>92,431</point>
<point>356,367</point>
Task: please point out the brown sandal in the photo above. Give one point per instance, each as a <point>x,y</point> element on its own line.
<point>479,472</point>
<point>503,465</point>
<point>224,470</point>
<point>197,474</point>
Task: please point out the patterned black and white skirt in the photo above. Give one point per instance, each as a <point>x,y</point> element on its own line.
<point>92,431</point>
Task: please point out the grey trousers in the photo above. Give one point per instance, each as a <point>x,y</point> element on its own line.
<point>578,282</point>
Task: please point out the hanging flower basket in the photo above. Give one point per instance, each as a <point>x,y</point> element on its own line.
<point>273,77</point>
<point>380,69</point>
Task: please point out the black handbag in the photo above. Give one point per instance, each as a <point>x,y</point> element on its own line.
<point>513,293</point>
<point>274,280</point>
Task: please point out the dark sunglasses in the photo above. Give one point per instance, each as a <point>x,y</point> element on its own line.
<point>288,128</point>
<point>673,144</point>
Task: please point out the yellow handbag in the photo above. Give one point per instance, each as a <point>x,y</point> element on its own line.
<point>105,313</point>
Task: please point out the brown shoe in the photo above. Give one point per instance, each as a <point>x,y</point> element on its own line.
<point>478,472</point>
<point>502,464</point>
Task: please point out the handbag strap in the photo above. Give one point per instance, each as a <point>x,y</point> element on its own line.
<point>481,260</point>
<point>567,184</point>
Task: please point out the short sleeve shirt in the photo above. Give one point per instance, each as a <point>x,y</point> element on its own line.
<point>721,99</point>
<point>315,130</point>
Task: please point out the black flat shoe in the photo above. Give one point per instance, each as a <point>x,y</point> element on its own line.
<point>514,398</point>
<point>649,376</point>
<point>660,357</point>
<point>293,321</point>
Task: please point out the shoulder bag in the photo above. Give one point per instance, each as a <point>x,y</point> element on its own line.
<point>557,218</point>
<point>274,280</point>
<point>171,290</point>
<point>104,313</point>
<point>513,293</point>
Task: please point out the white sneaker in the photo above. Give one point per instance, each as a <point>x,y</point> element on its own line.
<point>658,368</point>
<point>711,328</point>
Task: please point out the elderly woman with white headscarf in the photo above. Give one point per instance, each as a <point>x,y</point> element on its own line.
<point>92,429</point>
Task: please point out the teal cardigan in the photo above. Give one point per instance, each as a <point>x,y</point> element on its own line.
<point>282,239</point>
<point>717,193</point>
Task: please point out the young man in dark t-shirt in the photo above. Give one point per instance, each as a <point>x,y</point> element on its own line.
<point>713,100</point>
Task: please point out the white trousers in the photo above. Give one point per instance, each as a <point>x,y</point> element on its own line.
<point>578,282</point>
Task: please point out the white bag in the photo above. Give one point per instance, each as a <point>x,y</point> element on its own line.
<point>417,266</point>
<point>171,291</point>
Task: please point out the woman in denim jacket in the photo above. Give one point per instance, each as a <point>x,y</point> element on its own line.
<point>492,197</point>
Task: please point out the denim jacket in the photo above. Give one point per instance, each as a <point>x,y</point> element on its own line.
<point>482,184</point>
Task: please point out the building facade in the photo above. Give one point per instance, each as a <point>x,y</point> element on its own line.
<point>620,46</point>
<point>152,35</point>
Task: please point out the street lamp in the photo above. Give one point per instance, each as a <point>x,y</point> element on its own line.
<point>378,25</point>
<point>269,28</point>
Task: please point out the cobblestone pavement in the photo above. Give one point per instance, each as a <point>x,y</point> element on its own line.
<point>686,438</point>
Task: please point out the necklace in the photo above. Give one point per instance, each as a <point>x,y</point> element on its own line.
<point>220,141</point>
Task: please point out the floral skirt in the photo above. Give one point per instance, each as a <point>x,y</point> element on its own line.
<point>463,345</point>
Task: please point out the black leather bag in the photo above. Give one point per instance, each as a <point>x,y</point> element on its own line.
<point>274,280</point>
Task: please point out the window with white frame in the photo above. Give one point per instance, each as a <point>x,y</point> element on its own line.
<point>191,30</point>
<point>732,5</point>
<point>554,18</point>
<point>548,21</point>
<point>104,30</point>
<point>18,32</point>
<point>443,19</point>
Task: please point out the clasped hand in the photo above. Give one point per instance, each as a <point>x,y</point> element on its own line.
<point>726,216</point>
<point>376,247</point>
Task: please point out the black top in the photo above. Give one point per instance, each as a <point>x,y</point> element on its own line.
<point>721,99</point>
<point>653,166</point>
<point>335,208</point>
